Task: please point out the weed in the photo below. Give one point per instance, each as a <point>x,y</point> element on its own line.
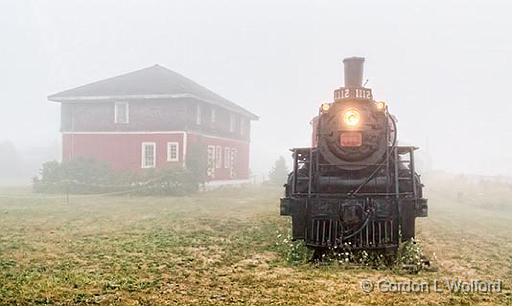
<point>222,247</point>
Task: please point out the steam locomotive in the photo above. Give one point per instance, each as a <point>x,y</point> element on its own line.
<point>355,187</point>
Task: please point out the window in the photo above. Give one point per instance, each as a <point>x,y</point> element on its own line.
<point>218,157</point>
<point>121,112</point>
<point>242,126</point>
<point>231,123</point>
<point>227,157</point>
<point>233,163</point>
<point>212,115</point>
<point>211,162</point>
<point>172,151</point>
<point>148,155</point>
<point>198,114</point>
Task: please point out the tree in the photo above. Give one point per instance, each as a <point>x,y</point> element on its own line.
<point>279,172</point>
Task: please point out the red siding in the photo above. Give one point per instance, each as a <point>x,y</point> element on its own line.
<point>123,151</point>
<point>242,161</point>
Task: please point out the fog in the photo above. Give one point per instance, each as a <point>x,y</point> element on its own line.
<point>442,66</point>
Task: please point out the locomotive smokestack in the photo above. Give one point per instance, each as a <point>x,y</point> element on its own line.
<point>354,71</point>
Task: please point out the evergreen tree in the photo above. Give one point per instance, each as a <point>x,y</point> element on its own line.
<point>279,172</point>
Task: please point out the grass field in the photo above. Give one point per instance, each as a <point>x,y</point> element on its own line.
<point>220,247</point>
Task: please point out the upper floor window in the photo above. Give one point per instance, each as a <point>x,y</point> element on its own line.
<point>243,126</point>
<point>231,122</point>
<point>172,151</point>
<point>212,115</point>
<point>121,112</point>
<point>148,155</point>
<point>198,114</point>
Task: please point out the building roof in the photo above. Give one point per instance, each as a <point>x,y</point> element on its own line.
<point>155,82</point>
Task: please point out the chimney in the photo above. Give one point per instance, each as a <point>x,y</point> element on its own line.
<point>354,71</point>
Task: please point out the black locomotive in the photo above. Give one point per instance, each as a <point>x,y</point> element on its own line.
<point>355,188</point>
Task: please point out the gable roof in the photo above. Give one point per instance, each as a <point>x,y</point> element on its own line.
<point>151,82</point>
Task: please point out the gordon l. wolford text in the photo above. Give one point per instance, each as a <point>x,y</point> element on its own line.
<point>451,285</point>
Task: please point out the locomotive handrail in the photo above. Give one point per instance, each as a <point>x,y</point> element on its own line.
<point>302,148</point>
<point>401,149</point>
<point>358,164</point>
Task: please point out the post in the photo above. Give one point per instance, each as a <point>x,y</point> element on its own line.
<point>67,192</point>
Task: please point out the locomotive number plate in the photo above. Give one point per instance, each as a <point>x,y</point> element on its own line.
<point>351,139</point>
<point>353,93</point>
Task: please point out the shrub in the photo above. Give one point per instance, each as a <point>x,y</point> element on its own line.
<point>87,176</point>
<point>74,176</point>
<point>170,181</point>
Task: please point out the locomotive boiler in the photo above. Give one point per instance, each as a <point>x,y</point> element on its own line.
<point>355,187</point>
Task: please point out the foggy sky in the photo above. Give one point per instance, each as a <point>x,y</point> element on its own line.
<point>443,66</point>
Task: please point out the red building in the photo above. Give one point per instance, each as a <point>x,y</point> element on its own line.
<point>152,118</point>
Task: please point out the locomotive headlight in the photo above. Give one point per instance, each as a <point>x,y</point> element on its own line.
<point>351,117</point>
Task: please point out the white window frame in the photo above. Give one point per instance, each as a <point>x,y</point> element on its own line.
<point>211,161</point>
<point>116,111</point>
<point>170,158</point>
<point>218,157</point>
<point>198,115</point>
<point>233,163</point>
<point>227,157</point>
<point>143,155</point>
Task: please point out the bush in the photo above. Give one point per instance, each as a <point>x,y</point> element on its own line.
<point>170,181</point>
<point>87,176</point>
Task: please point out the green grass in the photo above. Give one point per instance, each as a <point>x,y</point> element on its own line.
<point>220,247</point>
